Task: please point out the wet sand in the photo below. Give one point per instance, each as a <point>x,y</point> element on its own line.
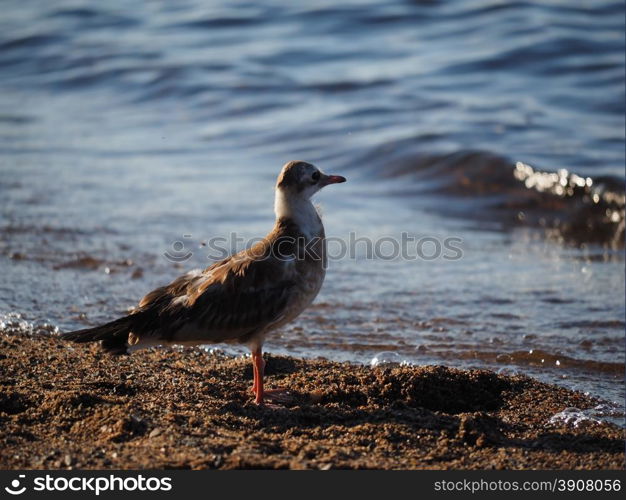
<point>66,406</point>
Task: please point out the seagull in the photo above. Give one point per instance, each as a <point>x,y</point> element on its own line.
<point>242,298</point>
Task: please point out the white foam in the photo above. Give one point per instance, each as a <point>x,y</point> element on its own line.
<point>13,323</point>
<point>388,358</point>
<point>602,413</point>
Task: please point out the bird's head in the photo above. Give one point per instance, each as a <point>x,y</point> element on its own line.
<point>301,179</point>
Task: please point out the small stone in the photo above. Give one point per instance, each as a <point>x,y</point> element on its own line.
<point>155,432</point>
<point>316,396</point>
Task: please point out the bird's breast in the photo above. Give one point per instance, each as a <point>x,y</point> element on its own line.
<point>309,273</point>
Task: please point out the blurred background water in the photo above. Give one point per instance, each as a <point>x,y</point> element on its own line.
<point>125,126</point>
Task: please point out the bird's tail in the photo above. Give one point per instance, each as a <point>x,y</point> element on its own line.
<point>113,336</point>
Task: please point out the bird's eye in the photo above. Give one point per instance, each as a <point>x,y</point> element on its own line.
<point>315,176</point>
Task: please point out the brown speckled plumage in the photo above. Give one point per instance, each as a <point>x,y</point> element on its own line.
<point>243,297</point>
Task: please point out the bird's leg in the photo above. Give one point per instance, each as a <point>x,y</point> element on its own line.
<point>255,376</point>
<point>275,395</point>
<point>258,368</point>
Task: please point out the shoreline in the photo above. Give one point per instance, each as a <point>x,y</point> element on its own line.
<point>68,406</point>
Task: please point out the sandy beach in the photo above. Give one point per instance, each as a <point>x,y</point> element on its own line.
<point>64,406</point>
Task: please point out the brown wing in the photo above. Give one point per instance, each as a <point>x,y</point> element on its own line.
<point>229,300</point>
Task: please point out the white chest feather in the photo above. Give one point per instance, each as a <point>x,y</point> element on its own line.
<point>300,210</point>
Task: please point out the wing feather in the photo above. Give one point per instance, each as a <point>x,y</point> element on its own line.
<point>229,301</point>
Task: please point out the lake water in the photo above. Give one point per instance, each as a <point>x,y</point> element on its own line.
<point>126,127</point>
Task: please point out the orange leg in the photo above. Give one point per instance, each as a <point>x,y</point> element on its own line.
<point>258,369</point>
<point>260,393</point>
<point>255,375</point>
